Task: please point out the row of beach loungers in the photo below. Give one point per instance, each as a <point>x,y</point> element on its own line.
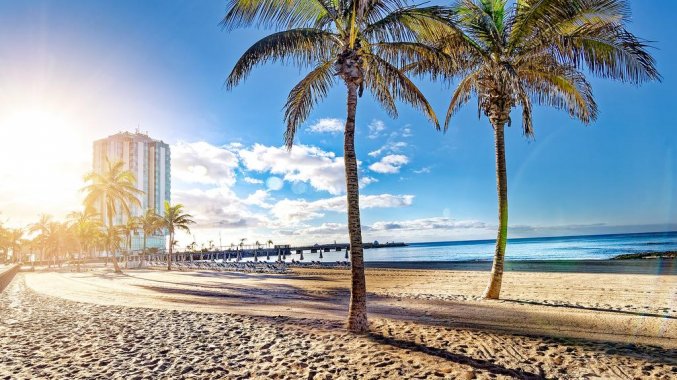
<point>319,264</point>
<point>248,267</point>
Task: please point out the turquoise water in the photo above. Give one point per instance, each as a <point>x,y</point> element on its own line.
<point>597,247</point>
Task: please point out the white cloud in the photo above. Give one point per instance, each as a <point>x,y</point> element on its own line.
<point>388,147</point>
<point>423,170</point>
<point>327,125</point>
<point>339,230</point>
<point>258,198</point>
<point>203,163</point>
<point>440,223</point>
<point>390,164</point>
<point>406,132</point>
<point>384,229</point>
<point>296,210</point>
<point>253,181</point>
<point>364,181</point>
<point>322,170</point>
<point>220,207</point>
<point>375,128</point>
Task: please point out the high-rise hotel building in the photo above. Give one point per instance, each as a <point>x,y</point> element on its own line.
<point>149,160</point>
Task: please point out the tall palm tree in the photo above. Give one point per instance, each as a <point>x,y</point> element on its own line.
<point>533,52</point>
<point>111,239</point>
<point>53,239</point>
<point>84,226</point>
<point>4,241</point>
<point>12,239</point>
<point>150,223</point>
<point>111,191</point>
<point>362,42</point>
<point>129,228</point>
<point>65,242</point>
<point>175,219</point>
<point>270,243</point>
<point>41,228</point>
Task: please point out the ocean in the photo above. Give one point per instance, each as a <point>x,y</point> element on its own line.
<point>591,247</point>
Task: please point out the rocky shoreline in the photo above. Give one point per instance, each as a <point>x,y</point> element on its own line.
<point>647,255</point>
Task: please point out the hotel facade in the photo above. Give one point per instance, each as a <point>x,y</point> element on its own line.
<point>150,162</point>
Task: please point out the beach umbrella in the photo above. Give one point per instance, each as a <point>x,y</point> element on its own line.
<point>256,255</point>
<point>321,255</point>
<point>279,255</point>
<point>346,254</point>
<point>267,255</point>
<point>301,258</point>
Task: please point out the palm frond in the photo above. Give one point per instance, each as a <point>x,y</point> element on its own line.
<point>303,97</point>
<point>479,24</point>
<point>278,14</point>
<point>527,122</point>
<point>609,52</point>
<point>303,47</point>
<point>563,88</point>
<point>402,88</point>
<point>463,92</point>
<point>539,16</point>
<point>411,23</point>
<point>378,88</point>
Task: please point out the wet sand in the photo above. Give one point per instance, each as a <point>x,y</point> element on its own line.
<point>625,266</point>
<point>425,324</point>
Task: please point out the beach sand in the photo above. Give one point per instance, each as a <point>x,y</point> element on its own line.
<point>424,324</point>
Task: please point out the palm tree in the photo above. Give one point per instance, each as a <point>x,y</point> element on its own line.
<point>15,241</point>
<point>150,223</point>
<point>65,242</point>
<point>41,227</point>
<point>129,228</point>
<point>85,225</point>
<point>270,243</point>
<point>362,42</point>
<point>111,239</point>
<point>111,191</point>
<point>173,220</point>
<point>53,239</point>
<point>533,52</point>
<point>4,241</point>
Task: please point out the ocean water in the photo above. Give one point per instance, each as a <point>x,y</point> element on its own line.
<point>595,247</point>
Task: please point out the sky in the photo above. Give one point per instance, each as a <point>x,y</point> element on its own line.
<point>78,70</point>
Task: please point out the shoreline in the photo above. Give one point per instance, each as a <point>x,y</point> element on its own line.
<point>558,237</point>
<point>651,266</point>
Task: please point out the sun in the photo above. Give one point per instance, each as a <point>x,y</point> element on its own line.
<point>41,129</point>
<point>43,156</point>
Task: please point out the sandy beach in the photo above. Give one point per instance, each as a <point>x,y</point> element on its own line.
<point>424,324</point>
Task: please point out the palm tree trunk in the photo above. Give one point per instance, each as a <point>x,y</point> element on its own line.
<point>77,261</point>
<point>129,250</point>
<point>169,257</point>
<point>494,288</point>
<point>143,253</point>
<point>357,314</point>
<point>115,260</point>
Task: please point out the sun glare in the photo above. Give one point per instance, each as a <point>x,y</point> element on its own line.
<point>43,155</point>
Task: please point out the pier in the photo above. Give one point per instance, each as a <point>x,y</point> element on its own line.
<point>275,253</point>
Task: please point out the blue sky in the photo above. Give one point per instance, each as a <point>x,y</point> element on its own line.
<point>112,65</point>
